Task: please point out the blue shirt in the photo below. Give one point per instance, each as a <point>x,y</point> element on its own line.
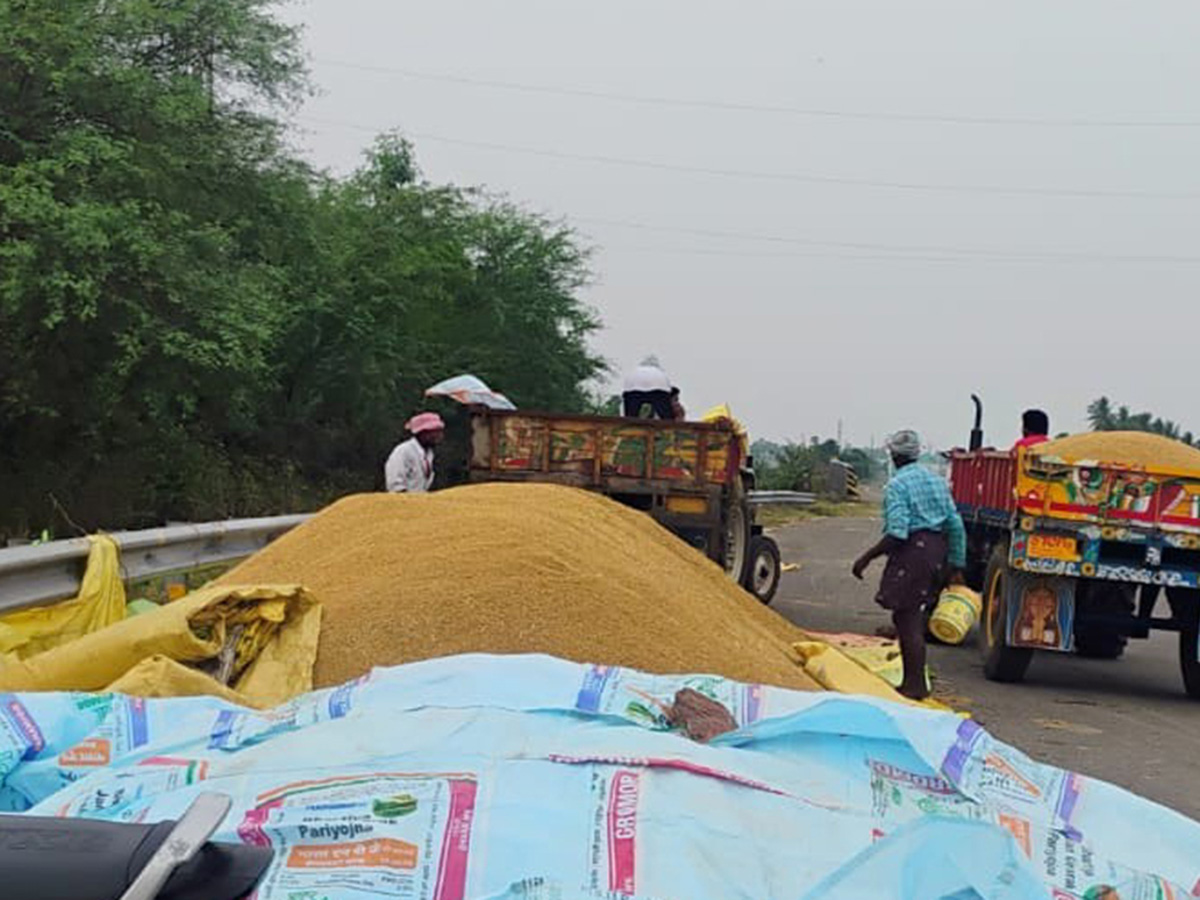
<point>917,500</point>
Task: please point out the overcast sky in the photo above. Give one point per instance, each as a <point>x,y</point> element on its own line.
<point>774,279</point>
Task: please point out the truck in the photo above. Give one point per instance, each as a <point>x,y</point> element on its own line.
<point>1074,555</point>
<point>694,478</point>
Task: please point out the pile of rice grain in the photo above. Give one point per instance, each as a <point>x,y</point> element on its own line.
<point>529,568</point>
<point>1136,448</point>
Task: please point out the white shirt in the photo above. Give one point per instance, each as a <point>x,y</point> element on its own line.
<point>647,378</point>
<point>409,468</point>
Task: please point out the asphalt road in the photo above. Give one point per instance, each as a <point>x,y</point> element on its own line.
<point>1125,721</point>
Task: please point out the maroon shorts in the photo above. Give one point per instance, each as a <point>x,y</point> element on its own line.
<point>914,573</point>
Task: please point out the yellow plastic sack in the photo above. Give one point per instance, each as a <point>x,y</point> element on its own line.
<point>879,656</point>
<point>269,635</point>
<point>717,413</point>
<point>100,603</point>
<point>836,671</point>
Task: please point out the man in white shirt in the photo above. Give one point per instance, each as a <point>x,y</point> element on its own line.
<point>648,385</point>
<point>409,468</point>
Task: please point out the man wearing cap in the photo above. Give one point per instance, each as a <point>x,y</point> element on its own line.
<point>409,468</point>
<point>921,529</point>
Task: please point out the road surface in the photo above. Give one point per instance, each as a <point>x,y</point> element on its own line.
<point>1126,721</point>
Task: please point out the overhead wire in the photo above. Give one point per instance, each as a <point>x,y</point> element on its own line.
<point>741,106</point>
<point>747,174</point>
<point>933,252</point>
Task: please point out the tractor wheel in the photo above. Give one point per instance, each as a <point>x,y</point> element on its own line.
<point>1103,642</point>
<point>762,578</point>
<point>737,541</point>
<point>1185,607</point>
<point>1000,661</point>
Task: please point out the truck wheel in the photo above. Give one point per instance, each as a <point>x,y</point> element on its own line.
<point>1101,642</point>
<point>1185,607</point>
<point>737,541</point>
<point>1000,661</point>
<point>762,579</point>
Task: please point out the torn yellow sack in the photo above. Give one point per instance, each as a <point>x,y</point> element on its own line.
<point>724,413</point>
<point>100,603</point>
<point>879,656</point>
<point>836,671</point>
<point>257,642</point>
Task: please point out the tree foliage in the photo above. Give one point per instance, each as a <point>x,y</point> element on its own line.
<point>800,467</point>
<point>1103,416</point>
<point>193,323</point>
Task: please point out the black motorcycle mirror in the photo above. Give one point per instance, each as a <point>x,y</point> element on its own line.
<point>50,858</point>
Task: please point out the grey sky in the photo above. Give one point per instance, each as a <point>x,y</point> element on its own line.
<point>794,334</point>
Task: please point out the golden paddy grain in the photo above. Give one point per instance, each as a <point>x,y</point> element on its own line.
<point>529,568</point>
<point>1135,448</point>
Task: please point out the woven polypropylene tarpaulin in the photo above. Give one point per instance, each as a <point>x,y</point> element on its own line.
<point>530,778</point>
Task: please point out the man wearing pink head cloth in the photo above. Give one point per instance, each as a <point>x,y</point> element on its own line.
<point>409,468</point>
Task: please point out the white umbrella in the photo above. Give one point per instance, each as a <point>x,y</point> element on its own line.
<point>470,391</point>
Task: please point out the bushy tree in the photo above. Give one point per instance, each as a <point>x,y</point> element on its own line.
<point>195,324</point>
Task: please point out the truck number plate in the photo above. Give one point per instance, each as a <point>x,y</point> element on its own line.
<point>1048,546</point>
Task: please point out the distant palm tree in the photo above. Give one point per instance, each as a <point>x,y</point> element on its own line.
<point>1103,417</point>
<point>1100,415</point>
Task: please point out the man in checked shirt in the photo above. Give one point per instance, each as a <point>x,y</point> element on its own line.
<point>922,531</point>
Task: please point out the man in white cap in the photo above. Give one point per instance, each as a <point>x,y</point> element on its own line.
<point>409,468</point>
<point>648,385</point>
<point>922,532</point>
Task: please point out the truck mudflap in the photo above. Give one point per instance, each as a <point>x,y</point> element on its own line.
<point>1041,612</point>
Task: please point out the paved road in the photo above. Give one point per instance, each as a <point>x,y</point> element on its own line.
<point>1126,721</point>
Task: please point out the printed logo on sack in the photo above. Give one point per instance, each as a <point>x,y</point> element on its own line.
<point>21,721</point>
<point>94,752</point>
<point>622,831</point>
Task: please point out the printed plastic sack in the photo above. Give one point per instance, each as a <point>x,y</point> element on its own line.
<point>530,778</point>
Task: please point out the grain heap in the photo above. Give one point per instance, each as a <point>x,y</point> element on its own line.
<point>519,569</point>
<point>1136,448</point>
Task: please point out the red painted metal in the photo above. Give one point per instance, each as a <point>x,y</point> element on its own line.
<point>984,479</point>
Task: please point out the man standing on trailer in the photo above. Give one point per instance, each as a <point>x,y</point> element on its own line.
<point>922,528</point>
<point>1035,428</point>
<point>648,385</point>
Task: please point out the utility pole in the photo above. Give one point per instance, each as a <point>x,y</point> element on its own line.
<point>839,434</point>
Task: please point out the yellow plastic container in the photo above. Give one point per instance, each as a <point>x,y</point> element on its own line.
<point>956,613</point>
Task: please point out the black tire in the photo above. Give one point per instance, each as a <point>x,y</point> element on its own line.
<point>736,541</point>
<point>1185,606</point>
<point>1101,642</point>
<point>1000,661</point>
<point>765,568</point>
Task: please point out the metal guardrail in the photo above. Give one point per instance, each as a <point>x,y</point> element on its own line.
<point>40,574</point>
<point>781,498</point>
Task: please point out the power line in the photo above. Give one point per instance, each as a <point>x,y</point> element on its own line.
<point>795,177</point>
<point>900,252</point>
<point>733,106</point>
<point>935,253</point>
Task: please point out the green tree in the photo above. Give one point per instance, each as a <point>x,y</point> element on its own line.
<point>140,202</point>
<point>412,283</point>
<point>1102,416</point>
<point>195,324</point>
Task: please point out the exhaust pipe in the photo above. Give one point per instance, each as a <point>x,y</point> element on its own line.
<point>977,431</point>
